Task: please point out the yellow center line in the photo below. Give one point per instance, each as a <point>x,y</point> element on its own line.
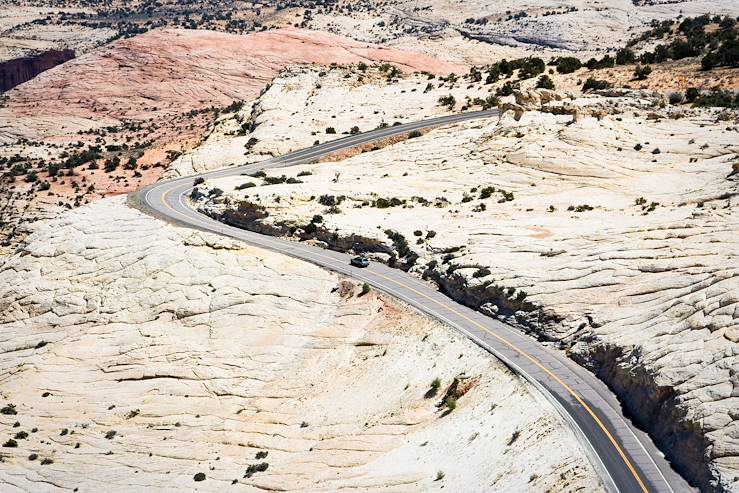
<point>499,338</point>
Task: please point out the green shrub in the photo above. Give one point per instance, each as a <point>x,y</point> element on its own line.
<point>10,443</point>
<point>8,409</point>
<point>717,98</point>
<point>447,101</point>
<point>528,67</point>
<point>486,192</point>
<point>413,134</point>
<point>642,72</point>
<point>365,289</point>
<point>595,84</point>
<point>625,56</point>
<point>568,64</point>
<point>254,468</point>
<point>330,130</point>
<point>545,82</point>
<point>274,180</point>
<point>199,477</point>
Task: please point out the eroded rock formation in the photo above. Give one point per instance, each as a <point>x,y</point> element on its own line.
<point>17,71</point>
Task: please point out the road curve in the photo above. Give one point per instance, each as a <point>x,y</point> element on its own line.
<point>626,459</point>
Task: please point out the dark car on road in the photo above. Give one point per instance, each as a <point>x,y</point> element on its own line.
<point>359,261</point>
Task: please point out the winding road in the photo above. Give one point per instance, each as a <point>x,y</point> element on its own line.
<point>626,458</point>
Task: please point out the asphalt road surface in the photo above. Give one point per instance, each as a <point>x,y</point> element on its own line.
<point>625,458</point>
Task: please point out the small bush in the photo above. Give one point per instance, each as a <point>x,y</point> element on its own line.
<point>21,435</point>
<point>248,184</point>
<point>436,383</point>
<point>305,173</point>
<point>254,468</point>
<point>568,64</point>
<point>199,477</point>
<point>330,130</point>
<point>440,475</point>
<point>274,180</point>
<point>447,101</point>
<point>642,72</point>
<point>365,289</point>
<point>10,443</point>
<point>8,409</point>
<point>46,461</point>
<point>486,192</point>
<point>33,457</point>
<point>261,454</point>
<point>595,84</point>
<point>110,434</point>
<point>413,134</point>
<point>198,181</point>
<point>545,82</point>
<point>451,404</point>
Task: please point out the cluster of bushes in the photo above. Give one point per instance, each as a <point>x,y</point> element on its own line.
<point>329,200</point>
<point>275,180</point>
<point>527,68</point>
<point>402,247</point>
<point>383,203</point>
<point>719,46</point>
<point>595,84</point>
<point>716,97</point>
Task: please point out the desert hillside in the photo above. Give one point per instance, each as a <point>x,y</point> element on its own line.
<point>590,214</point>
<point>611,233</point>
<point>151,362</point>
<point>75,133</point>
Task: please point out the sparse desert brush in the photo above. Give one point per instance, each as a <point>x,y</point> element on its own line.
<point>365,289</point>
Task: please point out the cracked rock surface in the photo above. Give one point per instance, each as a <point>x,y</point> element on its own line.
<point>137,356</point>
<point>613,236</point>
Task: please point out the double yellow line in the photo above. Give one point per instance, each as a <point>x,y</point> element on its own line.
<point>503,340</point>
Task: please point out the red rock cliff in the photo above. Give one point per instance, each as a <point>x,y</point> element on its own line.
<point>18,71</point>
